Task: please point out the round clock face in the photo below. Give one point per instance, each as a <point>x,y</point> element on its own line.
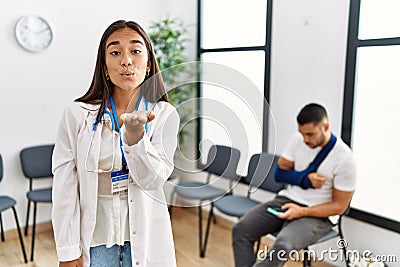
<point>33,33</point>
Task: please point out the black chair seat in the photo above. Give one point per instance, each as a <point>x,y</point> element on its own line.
<point>331,234</point>
<point>197,190</point>
<point>40,195</point>
<point>6,203</point>
<point>235,206</point>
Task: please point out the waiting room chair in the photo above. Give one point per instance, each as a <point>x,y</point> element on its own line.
<point>36,164</point>
<point>331,234</point>
<point>7,202</point>
<point>259,174</point>
<point>221,161</point>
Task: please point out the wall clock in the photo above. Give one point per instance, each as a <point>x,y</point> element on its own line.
<point>33,33</point>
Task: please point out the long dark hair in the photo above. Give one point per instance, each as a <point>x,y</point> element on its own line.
<point>100,90</point>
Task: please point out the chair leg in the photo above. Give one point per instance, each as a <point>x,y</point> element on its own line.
<point>305,258</point>
<point>170,211</point>
<point>344,247</point>
<point>170,205</point>
<point>33,230</point>
<point>214,219</point>
<point>345,253</point>
<point>21,241</point>
<point>210,215</point>
<point>346,257</point>
<point>2,230</point>
<point>200,231</point>
<point>27,218</point>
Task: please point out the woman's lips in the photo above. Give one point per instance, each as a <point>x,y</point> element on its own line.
<point>127,74</point>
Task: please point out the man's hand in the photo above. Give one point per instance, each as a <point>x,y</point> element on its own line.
<point>317,180</point>
<point>293,212</point>
<point>74,263</point>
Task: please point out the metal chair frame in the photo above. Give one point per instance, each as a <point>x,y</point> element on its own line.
<point>36,164</point>
<point>221,161</point>
<point>11,205</point>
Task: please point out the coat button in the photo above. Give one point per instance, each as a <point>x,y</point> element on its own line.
<point>137,263</point>
<point>134,232</point>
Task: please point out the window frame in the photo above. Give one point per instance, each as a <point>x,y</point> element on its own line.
<point>267,71</point>
<point>353,43</point>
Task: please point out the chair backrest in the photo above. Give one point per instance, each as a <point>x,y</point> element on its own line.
<point>223,161</point>
<point>260,172</point>
<point>1,168</point>
<point>36,161</point>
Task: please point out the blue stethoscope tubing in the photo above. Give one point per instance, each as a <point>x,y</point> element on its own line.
<point>114,121</point>
<point>115,118</point>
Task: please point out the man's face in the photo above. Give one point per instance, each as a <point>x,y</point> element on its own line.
<point>314,134</point>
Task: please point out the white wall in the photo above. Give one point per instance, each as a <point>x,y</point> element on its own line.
<point>37,87</point>
<point>308,60</point>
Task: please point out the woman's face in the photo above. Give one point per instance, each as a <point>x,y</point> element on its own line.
<point>127,59</point>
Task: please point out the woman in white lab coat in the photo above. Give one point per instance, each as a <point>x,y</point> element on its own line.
<point>113,152</point>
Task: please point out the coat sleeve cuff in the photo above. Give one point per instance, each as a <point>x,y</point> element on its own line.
<point>139,149</point>
<point>68,253</point>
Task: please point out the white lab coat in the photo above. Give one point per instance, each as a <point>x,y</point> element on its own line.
<point>150,163</point>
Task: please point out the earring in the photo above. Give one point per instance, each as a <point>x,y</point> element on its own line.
<point>147,73</point>
<point>107,77</point>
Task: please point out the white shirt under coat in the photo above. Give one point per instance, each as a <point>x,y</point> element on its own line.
<point>112,222</point>
<point>75,191</point>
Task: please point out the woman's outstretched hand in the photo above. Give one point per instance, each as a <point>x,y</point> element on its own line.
<point>134,124</point>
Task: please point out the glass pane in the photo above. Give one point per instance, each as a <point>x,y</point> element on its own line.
<point>228,23</point>
<point>232,102</point>
<point>376,130</point>
<point>379,19</point>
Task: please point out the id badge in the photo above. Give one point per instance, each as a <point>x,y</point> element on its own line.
<point>119,182</point>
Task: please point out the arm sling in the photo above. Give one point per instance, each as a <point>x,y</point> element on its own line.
<point>300,178</point>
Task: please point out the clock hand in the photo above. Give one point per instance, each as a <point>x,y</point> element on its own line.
<point>44,30</point>
<point>29,29</point>
<point>36,32</point>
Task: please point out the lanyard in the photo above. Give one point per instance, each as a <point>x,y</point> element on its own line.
<point>115,121</point>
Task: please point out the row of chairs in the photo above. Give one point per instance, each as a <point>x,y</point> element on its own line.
<point>222,161</point>
<point>36,164</point>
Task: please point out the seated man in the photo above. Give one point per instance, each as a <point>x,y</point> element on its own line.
<point>320,173</point>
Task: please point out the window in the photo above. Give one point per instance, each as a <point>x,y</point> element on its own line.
<point>234,47</point>
<point>233,23</point>
<point>371,109</point>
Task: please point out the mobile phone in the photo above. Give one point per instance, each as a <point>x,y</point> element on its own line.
<point>276,210</point>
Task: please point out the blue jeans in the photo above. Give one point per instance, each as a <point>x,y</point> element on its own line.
<point>293,235</point>
<point>115,256</point>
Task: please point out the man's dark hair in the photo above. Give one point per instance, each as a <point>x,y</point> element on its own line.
<point>313,112</point>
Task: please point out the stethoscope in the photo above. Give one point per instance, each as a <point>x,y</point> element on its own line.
<point>114,121</point>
